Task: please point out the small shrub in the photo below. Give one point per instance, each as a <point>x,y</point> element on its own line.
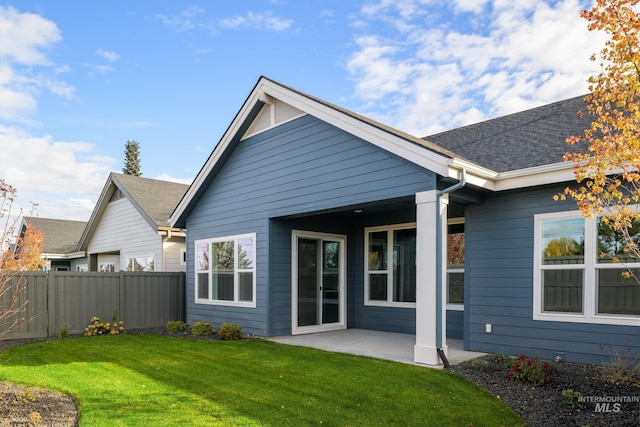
<point>35,418</point>
<point>480,364</point>
<point>200,329</point>
<point>25,396</point>
<point>63,331</point>
<point>176,326</point>
<point>503,359</point>
<point>571,398</point>
<point>621,369</point>
<point>229,331</point>
<point>100,327</point>
<point>530,370</point>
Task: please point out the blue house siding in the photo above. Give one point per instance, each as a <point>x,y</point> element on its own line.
<point>455,324</point>
<point>300,169</point>
<point>499,271</point>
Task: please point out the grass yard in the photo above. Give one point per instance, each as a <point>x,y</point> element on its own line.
<point>142,380</point>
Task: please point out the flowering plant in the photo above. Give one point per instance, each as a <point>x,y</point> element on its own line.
<point>100,327</point>
<point>535,371</point>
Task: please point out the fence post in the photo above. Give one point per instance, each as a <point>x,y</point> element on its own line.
<point>51,309</point>
<point>183,294</point>
<point>121,303</point>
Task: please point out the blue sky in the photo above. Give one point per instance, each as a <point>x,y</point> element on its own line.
<point>79,79</point>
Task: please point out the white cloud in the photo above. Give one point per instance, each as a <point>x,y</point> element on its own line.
<point>24,65</point>
<point>43,170</point>
<point>176,23</point>
<point>24,36</point>
<point>98,69</point>
<point>259,21</point>
<point>167,177</point>
<point>478,60</point>
<point>60,177</point>
<point>182,21</point>
<point>108,55</point>
<point>15,105</point>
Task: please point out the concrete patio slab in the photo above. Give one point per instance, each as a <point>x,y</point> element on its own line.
<point>378,344</point>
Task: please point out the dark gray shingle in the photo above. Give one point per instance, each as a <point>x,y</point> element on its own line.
<point>61,236</point>
<point>530,138</point>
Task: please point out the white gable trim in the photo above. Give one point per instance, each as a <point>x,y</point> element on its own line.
<point>410,151</point>
<point>265,90</point>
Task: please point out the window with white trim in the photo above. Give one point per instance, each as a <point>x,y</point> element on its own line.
<point>455,264</point>
<point>390,265</point>
<point>579,271</point>
<point>225,270</point>
<point>107,267</point>
<point>139,263</point>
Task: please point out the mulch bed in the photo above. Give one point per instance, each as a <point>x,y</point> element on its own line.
<point>537,405</point>
<point>543,405</point>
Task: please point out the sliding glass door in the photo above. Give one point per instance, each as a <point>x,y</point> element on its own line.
<point>318,282</point>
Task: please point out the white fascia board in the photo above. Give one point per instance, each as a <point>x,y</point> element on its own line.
<point>412,152</point>
<point>266,89</point>
<point>548,174</point>
<point>219,149</point>
<point>522,178</point>
<point>71,255</point>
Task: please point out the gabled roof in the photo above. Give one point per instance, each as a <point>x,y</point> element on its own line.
<point>423,153</point>
<point>515,151</point>
<point>61,236</point>
<point>527,139</point>
<point>154,199</point>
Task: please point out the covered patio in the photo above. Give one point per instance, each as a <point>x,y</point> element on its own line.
<point>378,344</point>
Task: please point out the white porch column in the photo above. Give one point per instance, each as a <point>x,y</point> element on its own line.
<point>425,350</point>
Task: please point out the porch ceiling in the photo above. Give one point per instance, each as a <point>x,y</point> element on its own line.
<point>383,207</point>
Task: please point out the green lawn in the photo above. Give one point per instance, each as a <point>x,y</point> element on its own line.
<point>142,380</point>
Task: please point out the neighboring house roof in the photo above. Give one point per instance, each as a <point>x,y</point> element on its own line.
<point>61,236</point>
<point>154,199</point>
<point>527,139</point>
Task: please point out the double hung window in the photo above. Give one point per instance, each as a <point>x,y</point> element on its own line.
<point>455,264</point>
<point>225,270</point>
<point>390,273</point>
<point>580,271</point>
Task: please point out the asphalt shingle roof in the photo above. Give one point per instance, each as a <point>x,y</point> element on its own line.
<point>156,197</point>
<point>61,236</point>
<point>522,140</point>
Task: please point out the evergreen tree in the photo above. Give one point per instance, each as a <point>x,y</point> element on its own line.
<point>132,159</point>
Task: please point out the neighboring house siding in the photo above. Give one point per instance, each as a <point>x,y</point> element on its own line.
<point>173,255</point>
<point>302,166</point>
<point>123,229</point>
<point>82,263</point>
<point>499,274</point>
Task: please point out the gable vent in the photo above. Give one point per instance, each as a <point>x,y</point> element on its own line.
<point>271,115</point>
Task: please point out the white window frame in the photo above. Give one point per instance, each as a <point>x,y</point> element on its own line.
<point>236,292</point>
<point>146,257</point>
<point>454,306</point>
<point>590,268</point>
<point>389,302</point>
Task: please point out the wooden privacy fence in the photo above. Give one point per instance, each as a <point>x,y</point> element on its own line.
<point>55,299</point>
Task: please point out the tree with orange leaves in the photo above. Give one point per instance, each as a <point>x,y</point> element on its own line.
<point>609,172</point>
<point>28,251</point>
<point>15,258</point>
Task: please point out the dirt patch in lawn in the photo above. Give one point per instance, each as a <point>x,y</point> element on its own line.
<point>29,406</point>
